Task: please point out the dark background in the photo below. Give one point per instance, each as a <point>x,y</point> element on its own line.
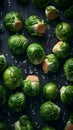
<point>48,41</point>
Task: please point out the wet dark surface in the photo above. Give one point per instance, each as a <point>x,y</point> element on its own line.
<point>48,41</point>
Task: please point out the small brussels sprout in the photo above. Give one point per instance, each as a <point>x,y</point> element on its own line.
<point>66,94</point>
<point>40,3</point>
<point>12,77</point>
<point>69,13</point>
<point>23,123</point>
<point>3,63</point>
<point>3,126</point>
<point>13,21</point>
<point>17,44</point>
<point>23,1</point>
<point>48,128</point>
<point>49,111</point>
<point>51,13</point>
<point>64,31</point>
<point>35,25</point>
<point>50,63</point>
<point>35,53</point>
<point>50,91</point>
<point>68,69</point>
<point>3,95</point>
<point>32,85</point>
<point>17,101</point>
<point>69,124</point>
<point>61,49</point>
<point>63,3</point>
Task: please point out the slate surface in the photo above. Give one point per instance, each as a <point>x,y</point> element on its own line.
<point>48,41</point>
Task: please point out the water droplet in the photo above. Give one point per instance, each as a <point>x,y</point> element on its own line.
<point>43,76</point>
<point>38,126</point>
<point>66,83</point>
<point>9,114</point>
<point>64,113</point>
<point>12,125</point>
<point>15,61</point>
<point>12,57</point>
<point>34,113</point>
<point>36,72</point>
<point>48,27</point>
<point>19,66</point>
<point>9,2</point>
<point>30,71</point>
<point>25,70</point>
<point>6,54</point>
<point>24,61</point>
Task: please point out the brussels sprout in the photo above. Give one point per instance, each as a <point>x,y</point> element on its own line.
<point>3,63</point>
<point>17,44</point>
<point>35,53</point>
<point>51,12</point>
<point>50,63</point>
<point>35,25</point>
<point>66,94</point>
<point>69,124</point>
<point>12,77</point>
<point>49,111</point>
<point>48,128</point>
<point>63,3</point>
<point>3,126</point>
<point>17,101</point>
<point>40,3</point>
<point>64,31</point>
<point>23,1</point>
<point>23,123</point>
<point>61,49</point>
<point>32,85</point>
<point>69,12</point>
<point>3,94</point>
<point>13,21</point>
<point>50,91</point>
<point>68,69</point>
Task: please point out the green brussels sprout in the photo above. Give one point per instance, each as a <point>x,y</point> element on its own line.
<point>23,123</point>
<point>51,13</point>
<point>63,3</point>
<point>48,128</point>
<point>49,111</point>
<point>13,21</point>
<point>64,31</point>
<point>35,53</point>
<point>68,69</point>
<point>32,85</point>
<point>61,49</point>
<point>12,77</point>
<point>23,1</point>
<point>69,13</point>
<point>50,91</point>
<point>66,94</point>
<point>69,124</point>
<point>3,95</point>
<point>40,3</point>
<point>17,44</point>
<point>35,26</point>
<point>17,101</point>
<point>3,126</point>
<point>3,63</point>
<point>50,63</point>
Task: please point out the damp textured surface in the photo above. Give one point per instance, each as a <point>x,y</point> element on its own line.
<point>48,41</point>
